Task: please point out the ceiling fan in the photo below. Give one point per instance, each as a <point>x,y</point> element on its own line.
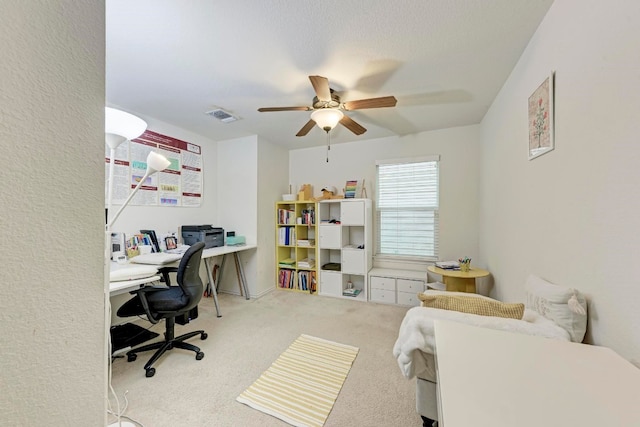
<point>327,108</point>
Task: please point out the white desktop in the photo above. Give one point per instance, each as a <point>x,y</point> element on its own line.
<point>495,378</point>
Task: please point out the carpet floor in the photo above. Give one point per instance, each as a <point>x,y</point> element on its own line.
<point>243,344</point>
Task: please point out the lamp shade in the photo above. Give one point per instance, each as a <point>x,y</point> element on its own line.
<point>327,118</point>
<point>120,126</point>
<point>156,162</point>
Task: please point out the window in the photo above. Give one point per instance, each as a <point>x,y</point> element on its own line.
<point>407,208</point>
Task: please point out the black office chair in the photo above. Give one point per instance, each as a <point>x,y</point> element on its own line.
<point>168,303</point>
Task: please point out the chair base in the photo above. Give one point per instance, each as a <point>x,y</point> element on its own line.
<point>428,422</point>
<point>168,344</point>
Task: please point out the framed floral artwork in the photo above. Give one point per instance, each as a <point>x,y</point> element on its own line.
<point>541,118</point>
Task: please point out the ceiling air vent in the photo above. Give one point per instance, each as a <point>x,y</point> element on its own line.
<point>222,115</point>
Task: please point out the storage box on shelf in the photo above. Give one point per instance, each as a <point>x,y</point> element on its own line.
<point>296,253</point>
<point>392,286</point>
<point>344,247</point>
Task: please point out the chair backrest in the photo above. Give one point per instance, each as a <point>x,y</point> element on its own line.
<point>188,275</point>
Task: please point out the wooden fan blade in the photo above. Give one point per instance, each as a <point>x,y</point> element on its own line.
<point>321,86</point>
<point>384,101</point>
<point>269,109</point>
<point>306,128</point>
<point>352,125</point>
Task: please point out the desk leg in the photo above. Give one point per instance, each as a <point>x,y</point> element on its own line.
<point>243,280</point>
<point>212,283</point>
<point>460,284</point>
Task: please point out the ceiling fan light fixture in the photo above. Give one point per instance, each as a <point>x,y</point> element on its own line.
<point>327,118</point>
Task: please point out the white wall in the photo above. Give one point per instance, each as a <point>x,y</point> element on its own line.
<point>459,152</point>
<point>53,356</point>
<point>237,204</point>
<point>273,173</point>
<point>571,215</point>
<point>164,219</point>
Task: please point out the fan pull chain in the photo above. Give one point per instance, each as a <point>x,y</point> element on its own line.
<point>328,145</point>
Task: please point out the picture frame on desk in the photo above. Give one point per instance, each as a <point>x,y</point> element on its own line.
<point>170,242</point>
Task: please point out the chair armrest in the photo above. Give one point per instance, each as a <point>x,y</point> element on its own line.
<point>142,294</point>
<point>165,274</point>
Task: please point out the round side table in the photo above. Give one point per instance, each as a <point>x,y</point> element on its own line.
<point>459,281</point>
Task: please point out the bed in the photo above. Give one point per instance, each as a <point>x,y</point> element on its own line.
<point>550,311</point>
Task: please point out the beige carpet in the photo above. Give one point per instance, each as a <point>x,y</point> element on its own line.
<point>301,386</point>
<point>245,341</point>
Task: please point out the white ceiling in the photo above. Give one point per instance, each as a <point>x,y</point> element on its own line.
<point>444,61</point>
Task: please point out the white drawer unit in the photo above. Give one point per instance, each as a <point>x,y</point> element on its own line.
<point>393,286</point>
<point>330,236</point>
<point>383,289</point>
<point>353,261</point>
<point>352,213</point>
<point>383,296</point>
<point>331,283</point>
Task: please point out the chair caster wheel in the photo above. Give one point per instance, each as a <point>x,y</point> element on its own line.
<point>131,357</point>
<point>199,355</point>
<point>203,336</point>
<point>150,372</point>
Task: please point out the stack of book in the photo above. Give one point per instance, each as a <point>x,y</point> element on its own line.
<point>307,263</point>
<point>287,263</point>
<point>305,242</point>
<point>448,265</point>
<point>353,292</point>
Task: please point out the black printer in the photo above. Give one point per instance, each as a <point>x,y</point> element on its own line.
<point>211,236</point>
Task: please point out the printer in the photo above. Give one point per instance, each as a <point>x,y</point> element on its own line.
<point>211,236</point>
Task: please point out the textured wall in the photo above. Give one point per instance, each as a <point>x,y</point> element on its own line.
<point>571,215</point>
<point>51,213</point>
<point>459,151</point>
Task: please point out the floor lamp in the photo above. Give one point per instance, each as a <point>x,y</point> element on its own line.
<point>119,127</point>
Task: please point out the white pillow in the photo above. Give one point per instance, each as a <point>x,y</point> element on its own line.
<point>553,302</point>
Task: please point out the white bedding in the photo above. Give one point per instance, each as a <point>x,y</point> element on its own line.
<point>416,336</point>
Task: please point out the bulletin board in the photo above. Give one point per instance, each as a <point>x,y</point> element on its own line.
<point>178,185</point>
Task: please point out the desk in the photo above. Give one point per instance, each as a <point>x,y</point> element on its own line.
<point>117,288</point>
<point>495,378</point>
<point>459,281</point>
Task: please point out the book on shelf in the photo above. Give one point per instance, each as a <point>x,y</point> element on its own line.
<point>286,236</point>
<point>305,242</point>
<point>353,292</point>
<point>287,263</point>
<point>307,263</point>
<point>286,216</point>
<point>286,279</point>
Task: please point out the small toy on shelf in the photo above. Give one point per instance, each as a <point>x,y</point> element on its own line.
<point>329,192</point>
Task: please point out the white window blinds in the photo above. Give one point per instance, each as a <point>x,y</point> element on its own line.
<point>407,208</point>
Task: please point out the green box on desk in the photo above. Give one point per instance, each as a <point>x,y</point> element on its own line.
<point>236,240</point>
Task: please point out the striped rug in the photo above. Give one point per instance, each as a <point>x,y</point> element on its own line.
<point>301,386</point>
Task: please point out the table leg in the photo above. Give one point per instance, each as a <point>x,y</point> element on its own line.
<point>460,284</point>
<point>243,280</point>
<point>212,283</point>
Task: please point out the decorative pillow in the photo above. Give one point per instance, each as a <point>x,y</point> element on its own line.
<point>473,305</point>
<point>564,306</point>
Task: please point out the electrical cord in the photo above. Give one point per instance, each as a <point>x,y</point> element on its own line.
<point>119,413</point>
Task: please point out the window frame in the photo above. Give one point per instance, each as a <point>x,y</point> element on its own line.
<point>436,210</point>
